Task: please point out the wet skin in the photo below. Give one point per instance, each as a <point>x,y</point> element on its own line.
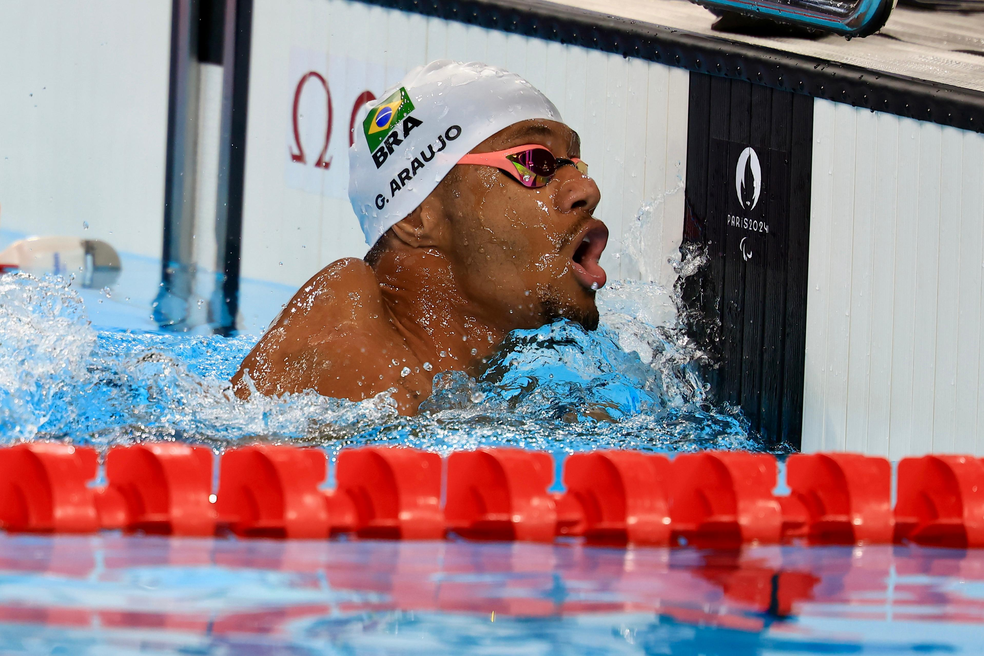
<point>482,256</point>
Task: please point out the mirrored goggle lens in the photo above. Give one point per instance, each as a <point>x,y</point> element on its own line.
<point>535,166</point>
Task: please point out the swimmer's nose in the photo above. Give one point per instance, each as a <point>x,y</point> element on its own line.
<point>578,192</point>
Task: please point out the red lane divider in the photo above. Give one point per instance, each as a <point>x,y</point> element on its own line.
<point>941,501</point>
<point>272,491</point>
<point>43,489</point>
<point>622,496</point>
<point>724,498</point>
<point>843,498</point>
<point>396,492</point>
<point>164,488</point>
<point>714,498</point>
<point>501,494</point>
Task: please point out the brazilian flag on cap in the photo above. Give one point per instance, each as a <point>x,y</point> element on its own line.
<point>385,116</point>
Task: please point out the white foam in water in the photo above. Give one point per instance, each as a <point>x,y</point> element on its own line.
<point>633,383</point>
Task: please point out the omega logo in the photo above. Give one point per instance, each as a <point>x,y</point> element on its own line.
<point>297,152</point>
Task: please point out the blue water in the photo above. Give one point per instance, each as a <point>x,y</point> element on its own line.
<point>632,384</point>
<point>120,595</point>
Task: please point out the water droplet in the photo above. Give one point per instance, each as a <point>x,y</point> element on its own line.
<point>405,372</point>
<point>428,366</point>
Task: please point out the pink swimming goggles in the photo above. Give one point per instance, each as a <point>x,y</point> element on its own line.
<point>533,166</point>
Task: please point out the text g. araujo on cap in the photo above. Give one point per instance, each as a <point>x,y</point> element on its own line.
<point>413,136</point>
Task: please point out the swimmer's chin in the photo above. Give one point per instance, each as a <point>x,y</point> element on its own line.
<point>587,317</point>
<point>590,322</point>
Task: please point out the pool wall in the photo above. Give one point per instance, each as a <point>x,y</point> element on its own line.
<point>84,109</point>
<point>894,346</point>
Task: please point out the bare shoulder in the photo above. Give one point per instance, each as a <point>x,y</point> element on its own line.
<point>346,289</point>
<point>320,338</point>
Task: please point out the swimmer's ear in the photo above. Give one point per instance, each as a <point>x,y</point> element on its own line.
<point>424,227</point>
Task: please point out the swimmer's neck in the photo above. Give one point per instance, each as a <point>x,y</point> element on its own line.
<point>427,307</point>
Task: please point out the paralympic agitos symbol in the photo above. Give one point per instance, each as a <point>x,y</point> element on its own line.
<point>297,152</point>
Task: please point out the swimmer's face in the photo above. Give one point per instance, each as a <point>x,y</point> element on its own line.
<point>526,256</point>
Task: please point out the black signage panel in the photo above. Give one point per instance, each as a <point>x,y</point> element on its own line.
<point>748,186</point>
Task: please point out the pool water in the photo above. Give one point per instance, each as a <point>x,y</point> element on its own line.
<point>116,595</point>
<point>633,384</point>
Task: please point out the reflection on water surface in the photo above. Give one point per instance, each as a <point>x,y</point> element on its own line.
<point>114,594</point>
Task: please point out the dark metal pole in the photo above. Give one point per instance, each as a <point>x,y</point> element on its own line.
<point>177,257</point>
<point>224,304</point>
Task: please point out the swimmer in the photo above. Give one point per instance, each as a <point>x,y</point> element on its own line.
<point>479,212</point>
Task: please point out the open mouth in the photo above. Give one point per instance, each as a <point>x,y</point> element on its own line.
<point>591,244</point>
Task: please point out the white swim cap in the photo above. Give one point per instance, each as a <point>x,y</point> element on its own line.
<point>415,135</point>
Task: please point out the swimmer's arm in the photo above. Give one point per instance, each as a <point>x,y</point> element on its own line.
<point>333,337</point>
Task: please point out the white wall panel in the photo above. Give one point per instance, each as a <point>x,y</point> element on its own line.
<point>631,114</point>
<point>815,368</point>
<point>948,301</point>
<point>968,381</point>
<point>900,422</point>
<point>83,119</point>
<point>437,39</point>
<point>634,167</point>
<point>858,388</point>
<point>883,225</point>
<point>614,103</point>
<point>535,55</point>
<point>895,286</point>
<point>670,192</point>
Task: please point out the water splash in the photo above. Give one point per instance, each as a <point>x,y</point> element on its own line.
<point>44,339</point>
<point>630,384</point>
